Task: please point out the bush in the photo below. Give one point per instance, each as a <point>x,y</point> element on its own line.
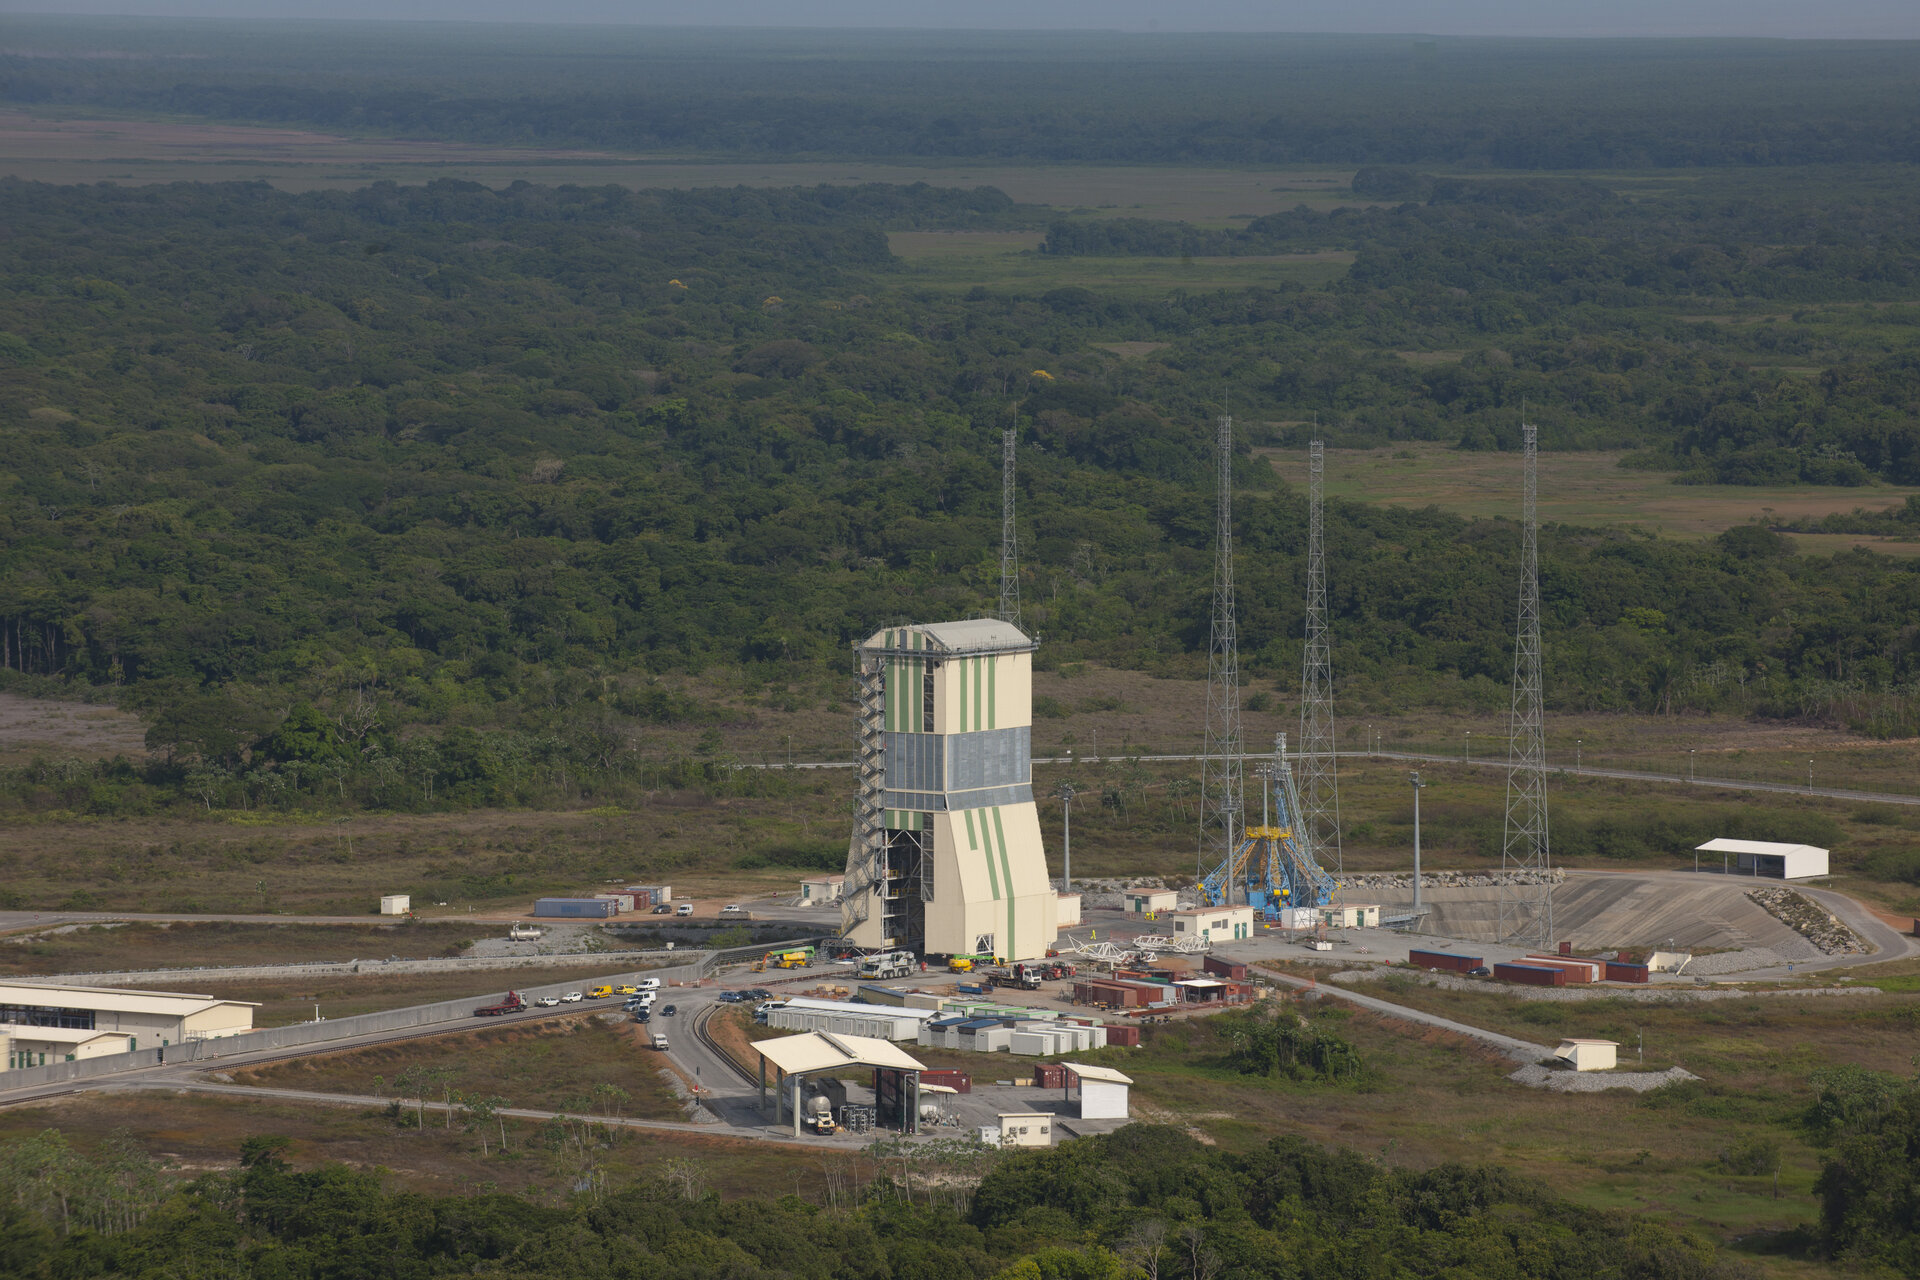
<point>1754,1157</point>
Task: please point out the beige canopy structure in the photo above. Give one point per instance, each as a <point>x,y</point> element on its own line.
<point>896,1074</point>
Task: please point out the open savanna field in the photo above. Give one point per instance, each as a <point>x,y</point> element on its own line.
<point>1588,488</point>
<point>72,147</point>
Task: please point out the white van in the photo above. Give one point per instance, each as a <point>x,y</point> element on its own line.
<point>684,909</point>
<point>647,984</point>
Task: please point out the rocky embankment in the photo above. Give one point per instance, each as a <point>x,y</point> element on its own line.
<point>1810,920</point>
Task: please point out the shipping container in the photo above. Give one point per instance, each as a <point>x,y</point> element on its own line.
<point>621,901</point>
<point>1048,1075</point>
<point>1125,1037</point>
<point>958,1081</point>
<point>1532,975</point>
<point>1618,971</point>
<point>574,908</point>
<point>1576,970</point>
<point>1220,967</point>
<point>1444,960</point>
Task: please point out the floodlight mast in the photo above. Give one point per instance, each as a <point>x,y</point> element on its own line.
<point>1526,879</point>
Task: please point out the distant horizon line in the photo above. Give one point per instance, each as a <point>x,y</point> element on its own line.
<point>771,26</point>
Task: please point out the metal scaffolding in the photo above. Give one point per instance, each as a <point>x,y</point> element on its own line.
<point>1526,881</point>
<point>1221,781</point>
<point>867,855</point>
<point>1319,761</point>
<point>1009,540</point>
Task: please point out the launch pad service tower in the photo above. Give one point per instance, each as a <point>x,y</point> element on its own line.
<point>946,856</point>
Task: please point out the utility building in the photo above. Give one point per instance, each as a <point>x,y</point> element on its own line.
<point>946,857</point>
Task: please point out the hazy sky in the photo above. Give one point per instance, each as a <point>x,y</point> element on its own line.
<point>1844,19</point>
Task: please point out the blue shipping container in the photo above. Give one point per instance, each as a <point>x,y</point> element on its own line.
<point>575,908</point>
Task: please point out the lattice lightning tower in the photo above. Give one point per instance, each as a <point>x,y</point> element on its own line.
<point>1221,782</point>
<point>1526,909</point>
<point>1009,541</point>
<point>1319,764</point>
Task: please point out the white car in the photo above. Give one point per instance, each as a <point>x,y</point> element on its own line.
<point>648,984</point>
<point>640,1001</point>
<point>572,997</point>
<point>547,1002</point>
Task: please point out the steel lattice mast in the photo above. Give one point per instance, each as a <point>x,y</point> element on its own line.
<point>1319,764</point>
<point>1009,540</point>
<point>1220,771</point>
<point>1526,885</point>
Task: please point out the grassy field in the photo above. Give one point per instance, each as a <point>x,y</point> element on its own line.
<point>556,1065</point>
<point>196,1133</point>
<point>1586,489</point>
<point>32,727</point>
<point>105,947</point>
<point>56,147</point>
<point>1009,260</point>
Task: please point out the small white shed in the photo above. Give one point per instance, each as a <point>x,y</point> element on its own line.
<point>1142,901</point>
<point>1103,1092</point>
<point>396,904</point>
<point>1351,916</point>
<point>820,891</point>
<point>1768,858</point>
<point>1589,1055</point>
<point>1024,1129</point>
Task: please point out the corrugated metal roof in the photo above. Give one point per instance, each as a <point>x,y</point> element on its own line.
<point>1106,1075</point>
<point>970,635</point>
<point>825,1051</point>
<point>1766,847</point>
<point>58,1035</point>
<point>171,1003</point>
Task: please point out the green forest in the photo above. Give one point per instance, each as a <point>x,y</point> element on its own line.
<point>1144,1201</point>
<point>398,464</point>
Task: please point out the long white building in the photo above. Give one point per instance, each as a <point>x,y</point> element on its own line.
<point>946,857</point>
<point>43,1023</point>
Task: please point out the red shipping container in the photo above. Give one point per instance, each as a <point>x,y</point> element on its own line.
<point>1125,1037</point>
<point>1531,975</point>
<point>958,1081</point>
<point>1224,968</point>
<point>1443,960</point>
<point>1049,1075</point>
<point>1619,972</point>
<point>1576,970</point>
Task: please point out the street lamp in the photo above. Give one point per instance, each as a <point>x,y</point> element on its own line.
<point>1576,755</point>
<point>1065,792</point>
<point>1417,787</point>
<point>1469,746</point>
<point>1809,773</point>
<point>1689,764</point>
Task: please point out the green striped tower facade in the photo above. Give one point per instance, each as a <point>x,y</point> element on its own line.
<point>946,857</point>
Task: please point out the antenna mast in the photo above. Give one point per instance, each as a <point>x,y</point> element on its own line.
<point>1526,881</point>
<point>1319,762</point>
<point>1009,541</point>
<point>1220,772</point>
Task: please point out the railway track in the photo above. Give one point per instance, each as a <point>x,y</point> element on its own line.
<point>713,1046</point>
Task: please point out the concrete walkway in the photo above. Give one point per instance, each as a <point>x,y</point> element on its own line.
<point>1518,1050</point>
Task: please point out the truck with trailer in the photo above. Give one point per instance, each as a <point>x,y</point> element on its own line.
<point>512,1004</point>
<point>888,964</point>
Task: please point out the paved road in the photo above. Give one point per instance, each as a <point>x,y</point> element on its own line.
<point>1518,1050</point>
<point>1416,757</point>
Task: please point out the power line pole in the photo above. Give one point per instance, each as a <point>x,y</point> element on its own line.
<point>1526,909</point>
<point>1009,541</point>
<point>1319,761</point>
<point>1220,776</point>
<point>1066,793</point>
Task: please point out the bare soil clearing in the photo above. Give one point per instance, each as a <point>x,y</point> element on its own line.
<point>32,727</point>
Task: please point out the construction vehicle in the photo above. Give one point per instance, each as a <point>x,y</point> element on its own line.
<point>797,958</point>
<point>968,963</point>
<point>817,1115</point>
<point>512,1004</point>
<point>1027,976</point>
<point>888,964</point>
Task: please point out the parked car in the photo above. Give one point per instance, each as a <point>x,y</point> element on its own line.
<point>731,907</point>
<point>600,992</point>
<point>643,1015</point>
<point>759,993</point>
<point>626,988</point>
<point>684,909</point>
<point>547,1002</point>
<point>733,997</point>
<point>648,984</point>
<point>663,909</point>
<point>572,997</point>
<point>668,1012</point>
<point>1480,971</point>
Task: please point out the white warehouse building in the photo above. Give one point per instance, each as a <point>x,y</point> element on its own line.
<point>1767,858</point>
<point>844,1018</point>
<point>946,856</point>
<point>43,1022</point>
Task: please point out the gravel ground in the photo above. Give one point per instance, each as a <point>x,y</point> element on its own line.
<point>1535,1076</point>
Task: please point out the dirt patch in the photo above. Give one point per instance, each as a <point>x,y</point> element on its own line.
<point>32,727</point>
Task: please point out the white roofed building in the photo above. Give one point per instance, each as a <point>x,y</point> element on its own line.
<point>1768,858</point>
<point>46,1022</point>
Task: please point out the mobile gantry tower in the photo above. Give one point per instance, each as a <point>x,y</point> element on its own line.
<point>946,857</point>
